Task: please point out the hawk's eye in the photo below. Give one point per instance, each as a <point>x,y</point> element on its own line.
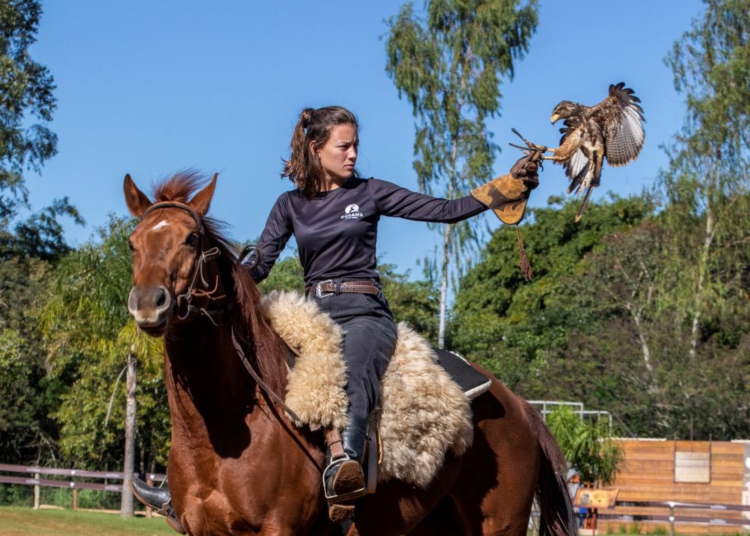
<point>191,240</point>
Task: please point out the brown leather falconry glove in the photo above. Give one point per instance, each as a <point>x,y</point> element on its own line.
<point>508,195</point>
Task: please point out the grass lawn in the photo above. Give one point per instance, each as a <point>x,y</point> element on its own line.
<point>26,521</point>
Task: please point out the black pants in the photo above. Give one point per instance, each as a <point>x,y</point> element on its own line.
<point>369,342</point>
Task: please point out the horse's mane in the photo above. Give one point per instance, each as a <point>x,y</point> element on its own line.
<point>251,327</point>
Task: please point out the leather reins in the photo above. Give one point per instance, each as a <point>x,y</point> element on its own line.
<point>203,258</point>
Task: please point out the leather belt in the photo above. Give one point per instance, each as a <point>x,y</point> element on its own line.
<point>330,287</point>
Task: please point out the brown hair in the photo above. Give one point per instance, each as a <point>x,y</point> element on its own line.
<point>303,167</point>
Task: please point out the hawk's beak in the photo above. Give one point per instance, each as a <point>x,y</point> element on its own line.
<point>554,118</point>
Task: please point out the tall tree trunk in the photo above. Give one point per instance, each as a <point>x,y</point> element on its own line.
<point>642,338</point>
<point>708,237</point>
<point>447,238</point>
<point>126,504</point>
<point>444,284</point>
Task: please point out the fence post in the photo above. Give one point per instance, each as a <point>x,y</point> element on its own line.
<point>75,498</point>
<point>37,476</point>
<point>671,519</point>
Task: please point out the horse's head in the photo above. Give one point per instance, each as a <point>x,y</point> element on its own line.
<point>169,245</point>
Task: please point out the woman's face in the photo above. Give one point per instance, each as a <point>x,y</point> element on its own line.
<point>339,154</point>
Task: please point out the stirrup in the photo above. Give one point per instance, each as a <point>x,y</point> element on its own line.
<point>348,482</point>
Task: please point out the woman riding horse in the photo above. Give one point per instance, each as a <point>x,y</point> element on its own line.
<point>333,215</point>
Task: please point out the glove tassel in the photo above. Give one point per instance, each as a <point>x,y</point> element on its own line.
<point>526,270</point>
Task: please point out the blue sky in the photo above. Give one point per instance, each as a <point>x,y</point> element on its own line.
<point>149,87</point>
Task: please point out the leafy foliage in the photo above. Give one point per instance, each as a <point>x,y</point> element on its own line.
<point>587,446</point>
<point>25,93</point>
<point>287,274</point>
<point>449,67</point>
<point>708,176</point>
<point>28,248</point>
<point>88,334</point>
<point>413,302</point>
<point>517,330</point>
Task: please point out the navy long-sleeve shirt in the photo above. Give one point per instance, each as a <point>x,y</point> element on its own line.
<point>336,231</point>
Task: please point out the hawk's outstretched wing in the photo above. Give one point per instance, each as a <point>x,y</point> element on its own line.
<point>622,121</point>
<point>613,129</point>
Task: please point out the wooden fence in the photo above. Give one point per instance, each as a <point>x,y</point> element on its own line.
<point>33,477</point>
<point>701,517</point>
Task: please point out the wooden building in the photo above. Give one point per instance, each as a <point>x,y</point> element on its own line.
<point>715,472</point>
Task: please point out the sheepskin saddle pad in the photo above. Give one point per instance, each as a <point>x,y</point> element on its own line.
<point>424,413</point>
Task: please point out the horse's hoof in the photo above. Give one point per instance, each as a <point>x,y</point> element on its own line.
<point>338,513</point>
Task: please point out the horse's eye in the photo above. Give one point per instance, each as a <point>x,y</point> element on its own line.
<point>131,246</point>
<point>191,240</point>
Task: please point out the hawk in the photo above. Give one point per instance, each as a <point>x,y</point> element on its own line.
<point>612,129</point>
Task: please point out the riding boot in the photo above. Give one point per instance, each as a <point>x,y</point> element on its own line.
<point>157,498</point>
<point>343,479</point>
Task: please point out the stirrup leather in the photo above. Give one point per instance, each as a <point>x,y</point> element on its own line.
<point>342,472</point>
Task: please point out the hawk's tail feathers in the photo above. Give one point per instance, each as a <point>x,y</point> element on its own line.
<point>576,183</point>
<point>583,203</point>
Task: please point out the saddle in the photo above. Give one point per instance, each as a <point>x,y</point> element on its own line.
<point>425,403</point>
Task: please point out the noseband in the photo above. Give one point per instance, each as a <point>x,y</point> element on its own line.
<point>203,258</point>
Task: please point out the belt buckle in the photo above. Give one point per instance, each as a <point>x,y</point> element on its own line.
<point>323,294</point>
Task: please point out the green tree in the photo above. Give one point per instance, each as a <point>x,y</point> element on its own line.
<point>587,445</point>
<point>287,274</point>
<point>25,96</point>
<point>708,171</point>
<point>28,247</point>
<point>450,66</point>
<point>413,302</point>
<point>703,312</point>
<point>623,277</point>
<point>27,256</point>
<point>89,334</point>
<point>518,331</point>
<point>614,359</point>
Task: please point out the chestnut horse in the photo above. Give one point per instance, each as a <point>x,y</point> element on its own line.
<point>238,466</point>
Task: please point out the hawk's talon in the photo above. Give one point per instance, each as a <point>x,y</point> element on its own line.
<point>533,147</point>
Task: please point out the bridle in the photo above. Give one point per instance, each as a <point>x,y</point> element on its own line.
<point>203,258</point>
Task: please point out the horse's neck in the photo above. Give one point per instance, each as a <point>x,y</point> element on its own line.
<point>204,371</point>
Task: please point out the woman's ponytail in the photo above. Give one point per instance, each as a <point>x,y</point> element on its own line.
<point>295,168</point>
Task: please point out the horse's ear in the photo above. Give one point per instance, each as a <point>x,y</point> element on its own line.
<point>136,200</point>
<point>202,200</point>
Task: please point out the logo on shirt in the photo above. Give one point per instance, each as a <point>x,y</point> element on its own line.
<point>352,212</point>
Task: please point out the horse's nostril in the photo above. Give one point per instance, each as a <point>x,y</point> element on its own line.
<point>163,300</point>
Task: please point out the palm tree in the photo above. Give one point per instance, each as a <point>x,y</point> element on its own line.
<point>90,337</point>
<point>587,445</point>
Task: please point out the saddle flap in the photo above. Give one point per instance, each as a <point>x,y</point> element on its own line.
<point>472,382</point>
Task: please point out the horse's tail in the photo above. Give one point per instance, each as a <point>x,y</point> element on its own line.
<point>556,510</point>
